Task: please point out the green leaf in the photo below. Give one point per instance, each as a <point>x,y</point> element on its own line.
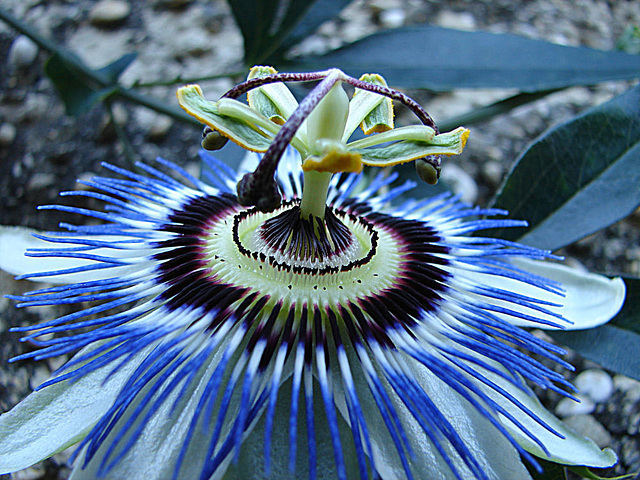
<point>551,471</point>
<point>450,59</point>
<point>113,71</point>
<point>616,345</point>
<point>578,177</point>
<point>81,88</point>
<point>78,90</point>
<point>587,474</point>
<point>319,12</point>
<point>264,25</point>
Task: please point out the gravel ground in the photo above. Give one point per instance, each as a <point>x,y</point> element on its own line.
<point>43,152</point>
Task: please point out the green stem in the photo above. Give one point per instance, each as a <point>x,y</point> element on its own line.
<point>179,80</point>
<point>77,64</point>
<point>314,194</point>
<point>159,106</point>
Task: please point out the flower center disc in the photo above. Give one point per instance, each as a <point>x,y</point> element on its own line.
<point>285,256</point>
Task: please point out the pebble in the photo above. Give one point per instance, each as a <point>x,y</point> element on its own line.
<point>40,181</point>
<point>456,20</point>
<point>567,407</point>
<point>493,172</point>
<point>628,386</point>
<point>595,384</point>
<point>109,12</point>
<point>155,126</point>
<point>589,427</point>
<point>160,128</point>
<point>460,182</point>
<point>40,375</point>
<point>22,52</point>
<point>8,132</point>
<point>393,17</point>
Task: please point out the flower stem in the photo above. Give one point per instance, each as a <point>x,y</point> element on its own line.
<point>314,194</point>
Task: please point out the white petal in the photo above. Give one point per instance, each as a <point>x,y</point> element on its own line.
<point>52,419</point>
<point>15,241</point>
<point>590,300</point>
<point>495,455</point>
<point>155,453</point>
<point>250,465</point>
<point>572,450</point>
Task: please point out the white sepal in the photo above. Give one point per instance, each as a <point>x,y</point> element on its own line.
<point>589,300</point>
<point>16,241</point>
<point>58,416</point>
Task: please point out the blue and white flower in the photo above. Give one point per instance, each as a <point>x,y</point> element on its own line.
<point>331,331</point>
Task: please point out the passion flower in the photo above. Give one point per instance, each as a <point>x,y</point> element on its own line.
<point>312,325</point>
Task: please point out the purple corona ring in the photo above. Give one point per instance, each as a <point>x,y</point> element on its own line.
<point>298,319</point>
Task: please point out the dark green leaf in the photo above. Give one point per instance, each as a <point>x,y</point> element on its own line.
<point>629,317</point>
<point>113,71</point>
<point>319,12</point>
<point>612,347</point>
<point>77,89</point>
<point>578,177</point>
<point>265,24</point>
<point>615,346</point>
<point>551,471</point>
<point>442,59</point>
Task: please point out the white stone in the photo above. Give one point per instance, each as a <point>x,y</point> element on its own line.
<point>629,386</point>
<point>8,132</point>
<point>456,20</point>
<point>567,406</point>
<point>589,427</point>
<point>22,52</point>
<point>109,12</point>
<point>40,181</point>
<point>393,17</point>
<point>493,172</point>
<point>460,182</point>
<point>595,384</point>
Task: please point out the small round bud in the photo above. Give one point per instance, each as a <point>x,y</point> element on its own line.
<point>427,171</point>
<point>252,192</point>
<point>212,140</point>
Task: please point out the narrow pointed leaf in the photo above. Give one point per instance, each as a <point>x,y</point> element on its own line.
<point>451,59</point>
<point>264,25</point>
<point>578,177</point>
<point>319,12</point>
<point>78,91</point>
<point>117,67</point>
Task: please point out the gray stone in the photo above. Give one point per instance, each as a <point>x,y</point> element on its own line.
<point>460,182</point>
<point>595,384</point>
<point>567,407</point>
<point>22,52</point>
<point>393,17</point>
<point>8,132</point>
<point>109,12</point>
<point>589,427</point>
<point>40,181</point>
